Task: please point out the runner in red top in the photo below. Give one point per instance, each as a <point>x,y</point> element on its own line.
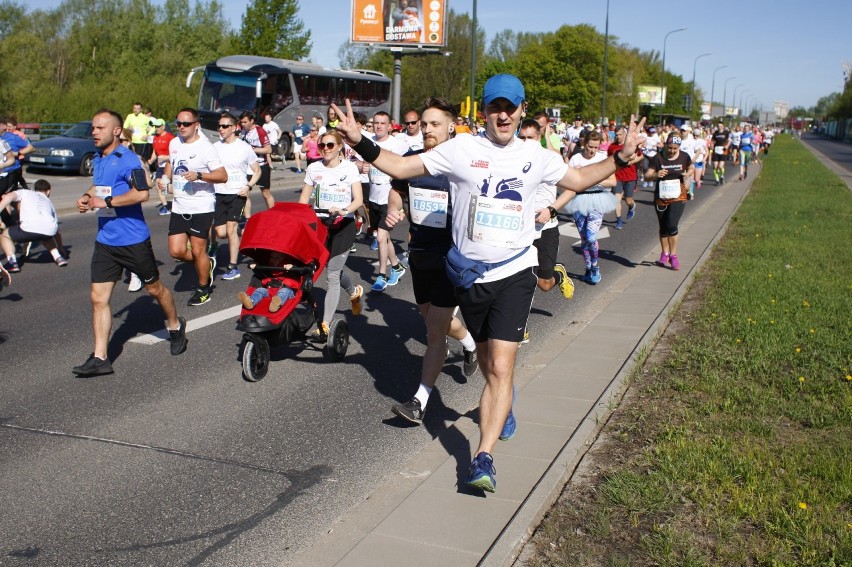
<point>158,159</point>
<point>625,180</point>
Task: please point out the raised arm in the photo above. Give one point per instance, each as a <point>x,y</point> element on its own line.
<point>395,165</point>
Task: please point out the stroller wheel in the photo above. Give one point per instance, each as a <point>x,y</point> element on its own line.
<point>255,353</point>
<point>338,341</point>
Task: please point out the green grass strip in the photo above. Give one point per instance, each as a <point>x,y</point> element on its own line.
<point>739,441</point>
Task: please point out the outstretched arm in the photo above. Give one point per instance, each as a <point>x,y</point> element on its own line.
<point>396,166</point>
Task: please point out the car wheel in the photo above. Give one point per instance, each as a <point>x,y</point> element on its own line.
<point>87,166</point>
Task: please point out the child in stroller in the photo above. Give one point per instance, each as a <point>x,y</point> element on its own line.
<point>285,287</point>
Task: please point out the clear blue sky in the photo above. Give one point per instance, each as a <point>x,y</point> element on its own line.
<point>788,50</point>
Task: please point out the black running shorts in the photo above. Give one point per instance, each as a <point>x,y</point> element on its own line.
<point>109,262</point>
<point>499,309</point>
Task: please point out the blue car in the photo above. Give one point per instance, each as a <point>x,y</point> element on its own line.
<point>74,150</point>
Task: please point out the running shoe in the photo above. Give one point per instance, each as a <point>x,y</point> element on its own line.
<point>163,210</point>
<point>200,297</point>
<point>482,473</point>
<point>664,259</point>
<point>619,224</point>
<point>566,286</point>
<point>135,283</point>
<point>61,262</point>
<point>178,337</point>
<point>509,427</point>
<point>674,262</point>
<point>359,225</point>
<point>212,267</point>
<point>595,276</point>
<point>381,283</point>
<point>470,363</point>
<point>93,366</point>
<point>231,274</point>
<point>320,334</point>
<point>395,274</point>
<point>631,212</point>
<point>587,277</point>
<point>374,245</point>
<point>352,248</point>
<point>526,338</point>
<point>13,267</point>
<point>355,300</point>
<point>409,411</point>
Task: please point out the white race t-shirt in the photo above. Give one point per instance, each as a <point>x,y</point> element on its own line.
<point>193,197</point>
<point>332,186</point>
<point>414,142</point>
<point>273,131</point>
<point>493,190</point>
<point>37,213</point>
<point>687,145</point>
<point>237,158</point>
<point>650,149</point>
<point>579,160</point>
<point>380,182</point>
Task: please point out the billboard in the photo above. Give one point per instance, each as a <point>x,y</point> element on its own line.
<point>411,23</point>
<point>651,95</point>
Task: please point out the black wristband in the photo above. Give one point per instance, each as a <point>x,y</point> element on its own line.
<point>619,162</point>
<point>367,149</point>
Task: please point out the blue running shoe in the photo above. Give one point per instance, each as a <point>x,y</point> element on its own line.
<point>482,473</point>
<point>395,274</point>
<point>595,276</point>
<point>511,425</point>
<point>374,245</point>
<point>619,224</point>
<point>587,277</point>
<point>232,274</point>
<point>381,283</point>
<point>631,212</point>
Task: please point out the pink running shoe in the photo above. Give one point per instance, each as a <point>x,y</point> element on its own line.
<point>664,259</point>
<point>675,263</point>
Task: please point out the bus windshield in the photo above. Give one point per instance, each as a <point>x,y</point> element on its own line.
<point>234,92</point>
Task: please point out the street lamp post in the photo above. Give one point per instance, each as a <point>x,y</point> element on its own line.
<point>734,98</point>
<point>740,105</point>
<point>713,89</point>
<point>663,90</point>
<point>692,96</point>
<point>606,51</point>
<point>725,98</point>
<point>473,66</point>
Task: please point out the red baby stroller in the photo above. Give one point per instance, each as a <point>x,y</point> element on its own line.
<point>294,231</point>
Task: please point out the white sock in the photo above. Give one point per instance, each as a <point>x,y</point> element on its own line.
<point>56,254</point>
<point>468,343</point>
<point>12,259</point>
<point>422,395</point>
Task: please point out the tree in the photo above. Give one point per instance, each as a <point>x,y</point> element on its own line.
<point>270,28</point>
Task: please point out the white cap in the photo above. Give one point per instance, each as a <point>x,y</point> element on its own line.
<point>686,127</point>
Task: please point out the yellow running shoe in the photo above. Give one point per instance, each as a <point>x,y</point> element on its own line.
<point>566,286</point>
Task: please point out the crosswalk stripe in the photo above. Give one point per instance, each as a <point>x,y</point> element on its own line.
<point>195,324</point>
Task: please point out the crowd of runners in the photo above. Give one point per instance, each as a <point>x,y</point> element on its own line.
<point>482,203</point>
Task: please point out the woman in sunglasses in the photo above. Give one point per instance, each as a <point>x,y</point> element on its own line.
<point>334,185</point>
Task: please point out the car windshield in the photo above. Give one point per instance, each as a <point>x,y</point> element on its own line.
<point>81,130</point>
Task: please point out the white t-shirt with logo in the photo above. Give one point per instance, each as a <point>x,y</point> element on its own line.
<point>493,190</point>
<point>414,142</point>
<point>273,131</point>
<point>193,197</point>
<point>651,142</point>
<point>237,158</point>
<point>37,213</point>
<point>380,182</point>
<point>332,185</point>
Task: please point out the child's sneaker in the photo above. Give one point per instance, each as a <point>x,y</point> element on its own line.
<point>245,300</point>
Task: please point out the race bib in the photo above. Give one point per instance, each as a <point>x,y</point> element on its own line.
<point>181,186</point>
<point>104,191</point>
<point>719,150</point>
<point>497,222</point>
<point>669,189</point>
<point>428,208</point>
<point>378,177</point>
<point>236,180</point>
<point>338,197</point>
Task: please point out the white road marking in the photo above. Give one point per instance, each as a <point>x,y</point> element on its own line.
<point>570,230</point>
<point>200,323</point>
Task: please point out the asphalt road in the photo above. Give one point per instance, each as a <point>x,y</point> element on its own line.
<point>177,460</point>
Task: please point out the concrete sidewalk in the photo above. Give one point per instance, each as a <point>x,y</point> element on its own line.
<point>420,516</point>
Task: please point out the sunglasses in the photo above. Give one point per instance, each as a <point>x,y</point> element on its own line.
<point>223,126</point>
<point>327,145</point>
<point>412,123</point>
<point>180,124</point>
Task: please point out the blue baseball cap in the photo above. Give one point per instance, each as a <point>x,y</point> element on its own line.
<point>504,86</point>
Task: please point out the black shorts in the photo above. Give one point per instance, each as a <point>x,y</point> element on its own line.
<point>378,213</point>
<point>626,187</point>
<point>429,279</point>
<point>197,225</point>
<point>499,309</point>
<point>669,217</point>
<point>18,235</point>
<point>109,262</point>
<point>264,181</point>
<point>6,184</point>
<point>548,247</point>
<point>228,208</point>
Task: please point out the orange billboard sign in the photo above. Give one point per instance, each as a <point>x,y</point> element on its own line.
<point>415,23</point>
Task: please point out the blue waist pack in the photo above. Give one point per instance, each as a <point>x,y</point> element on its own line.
<point>462,271</point>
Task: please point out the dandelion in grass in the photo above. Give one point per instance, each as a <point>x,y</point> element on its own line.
<point>805,303</point>
<point>772,322</point>
<point>768,275</point>
<point>803,505</point>
<point>739,341</point>
<point>798,349</point>
<point>813,331</point>
<point>802,379</point>
<point>849,377</point>
<point>772,301</point>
